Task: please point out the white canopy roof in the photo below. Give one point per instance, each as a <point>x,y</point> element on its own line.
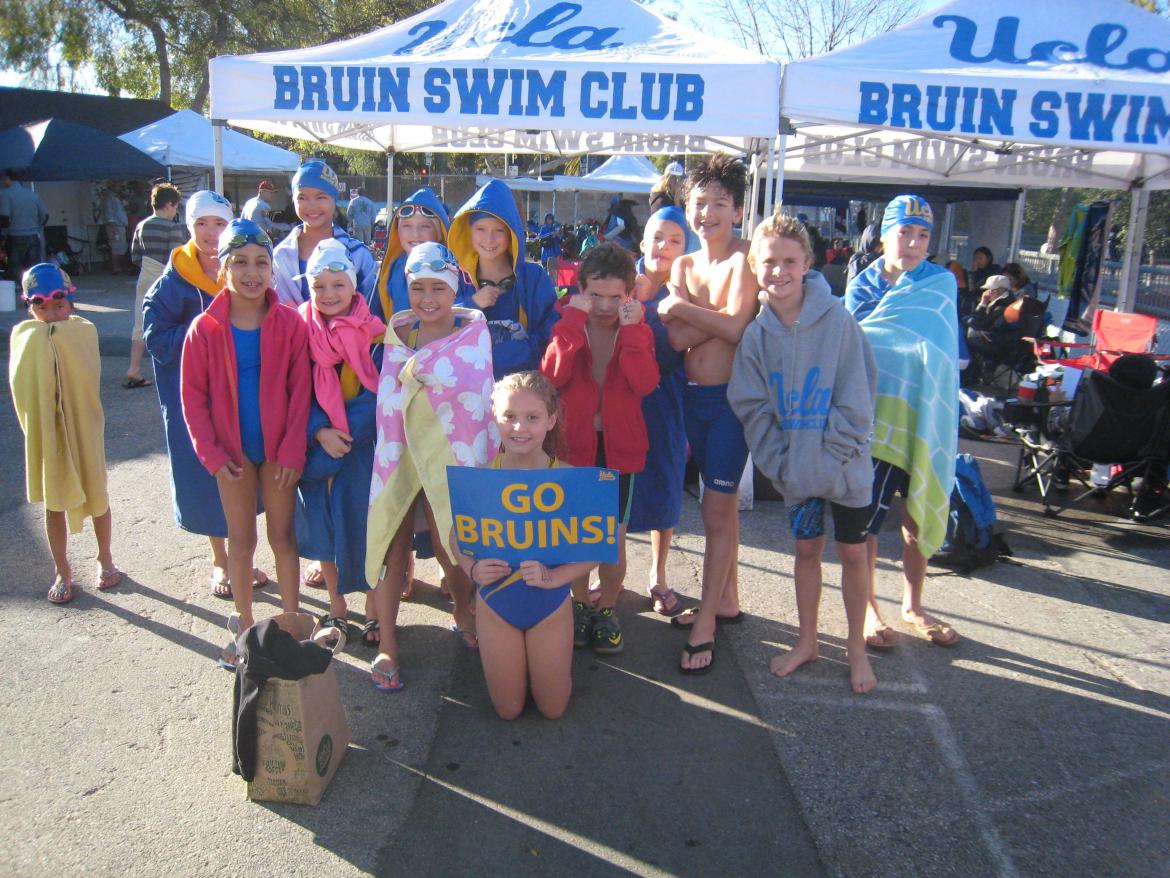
<point>522,76</point>
<point>619,173</point>
<point>1049,93</point>
<point>184,140</point>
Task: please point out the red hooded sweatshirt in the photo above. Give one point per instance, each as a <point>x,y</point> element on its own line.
<point>210,384</point>
<point>632,373</point>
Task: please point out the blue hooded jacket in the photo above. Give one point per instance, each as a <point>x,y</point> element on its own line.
<point>391,286</point>
<point>521,320</point>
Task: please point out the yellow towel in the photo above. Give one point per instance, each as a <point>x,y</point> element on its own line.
<point>54,370</point>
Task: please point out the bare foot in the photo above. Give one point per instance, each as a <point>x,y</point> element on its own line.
<point>861,675</point>
<point>784,664</point>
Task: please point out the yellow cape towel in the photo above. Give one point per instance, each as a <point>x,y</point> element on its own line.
<point>54,370</point>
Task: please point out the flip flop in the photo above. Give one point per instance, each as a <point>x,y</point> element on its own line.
<point>946,635</point>
<point>369,628</point>
<point>221,587</point>
<point>467,638</point>
<point>666,602</point>
<point>388,669</point>
<point>134,383</point>
<point>709,646</point>
<point>877,639</point>
<point>108,579</point>
<point>259,578</point>
<point>313,577</point>
<point>61,591</point>
<point>677,621</point>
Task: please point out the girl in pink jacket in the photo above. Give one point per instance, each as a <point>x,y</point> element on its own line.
<point>246,387</point>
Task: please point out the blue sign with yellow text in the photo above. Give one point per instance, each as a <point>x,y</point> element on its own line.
<point>555,516</point>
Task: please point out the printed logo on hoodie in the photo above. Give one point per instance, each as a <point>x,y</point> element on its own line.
<point>806,408</point>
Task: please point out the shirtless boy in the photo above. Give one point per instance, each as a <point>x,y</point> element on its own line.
<point>712,300</point>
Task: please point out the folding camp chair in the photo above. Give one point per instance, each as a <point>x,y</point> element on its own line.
<point>1108,423</point>
<point>1114,333</point>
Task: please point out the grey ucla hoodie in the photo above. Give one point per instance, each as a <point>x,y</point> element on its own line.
<point>805,395</point>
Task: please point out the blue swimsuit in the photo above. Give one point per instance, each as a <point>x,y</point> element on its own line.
<point>247,343</point>
<point>519,604</point>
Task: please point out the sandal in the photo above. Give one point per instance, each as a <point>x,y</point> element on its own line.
<point>666,602</point>
<point>467,638</point>
<point>61,591</point>
<point>108,578</point>
<point>368,630</point>
<point>686,619</point>
<point>881,638</point>
<point>314,576</point>
<point>709,646</point>
<point>135,383</point>
<point>259,578</point>
<point>390,671</point>
<point>332,628</point>
<point>221,587</point>
<point>229,656</point>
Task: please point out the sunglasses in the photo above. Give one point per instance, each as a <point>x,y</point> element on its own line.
<point>504,284</point>
<point>55,296</point>
<point>409,210</point>
<point>433,265</point>
<point>330,266</point>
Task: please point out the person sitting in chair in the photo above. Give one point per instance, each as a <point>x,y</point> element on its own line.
<point>990,337</point>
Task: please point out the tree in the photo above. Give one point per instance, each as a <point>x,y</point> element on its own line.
<point>160,48</point>
<point>790,29</point>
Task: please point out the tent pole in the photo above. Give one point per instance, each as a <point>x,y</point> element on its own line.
<point>752,214</point>
<point>217,126</point>
<point>781,147</point>
<point>389,184</point>
<point>769,179</point>
<point>1017,226</point>
<point>944,243</point>
<point>1132,266</point>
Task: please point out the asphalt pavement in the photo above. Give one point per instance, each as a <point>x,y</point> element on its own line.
<point>1037,746</point>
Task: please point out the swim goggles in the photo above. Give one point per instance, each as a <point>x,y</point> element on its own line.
<point>319,267</point>
<point>238,240</point>
<point>56,296</point>
<point>504,283</point>
<point>409,210</point>
<point>444,264</point>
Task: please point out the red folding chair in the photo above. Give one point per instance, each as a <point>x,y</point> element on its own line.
<point>1114,333</point>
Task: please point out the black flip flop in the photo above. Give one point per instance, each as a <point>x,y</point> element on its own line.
<point>676,622</point>
<point>135,383</point>
<point>369,628</point>
<point>709,646</point>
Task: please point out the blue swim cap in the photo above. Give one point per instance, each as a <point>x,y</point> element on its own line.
<point>44,279</point>
<point>908,210</point>
<point>316,174</point>
<point>239,233</point>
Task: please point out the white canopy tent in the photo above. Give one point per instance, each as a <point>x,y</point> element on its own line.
<point>527,76</point>
<point>619,173</point>
<point>1051,93</point>
<point>184,140</point>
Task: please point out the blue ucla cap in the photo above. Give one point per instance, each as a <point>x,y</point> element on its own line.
<point>239,233</point>
<point>316,174</point>
<point>44,279</point>
<point>908,210</point>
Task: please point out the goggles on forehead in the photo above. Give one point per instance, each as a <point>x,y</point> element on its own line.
<point>241,238</point>
<point>56,296</point>
<point>504,284</point>
<point>336,265</point>
<point>409,210</point>
<point>443,264</point>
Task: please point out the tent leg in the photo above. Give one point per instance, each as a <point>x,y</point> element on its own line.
<point>751,215</point>
<point>389,184</point>
<point>1017,226</point>
<point>944,240</point>
<point>778,190</point>
<point>1131,267</point>
<point>769,171</point>
<point>217,126</point>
